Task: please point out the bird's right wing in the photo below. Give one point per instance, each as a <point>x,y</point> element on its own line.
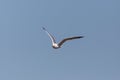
<point>51,37</point>
<point>71,38</point>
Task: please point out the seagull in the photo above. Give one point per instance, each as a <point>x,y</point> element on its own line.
<point>58,45</point>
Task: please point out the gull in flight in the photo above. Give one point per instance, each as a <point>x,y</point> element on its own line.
<point>58,45</point>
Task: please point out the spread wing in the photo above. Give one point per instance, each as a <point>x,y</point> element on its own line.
<point>71,38</point>
<point>51,37</point>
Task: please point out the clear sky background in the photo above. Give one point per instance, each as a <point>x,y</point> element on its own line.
<point>26,52</point>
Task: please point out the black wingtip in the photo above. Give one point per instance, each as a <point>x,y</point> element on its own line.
<point>43,28</point>
<point>81,36</point>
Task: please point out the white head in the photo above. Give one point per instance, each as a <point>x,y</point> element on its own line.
<point>55,46</point>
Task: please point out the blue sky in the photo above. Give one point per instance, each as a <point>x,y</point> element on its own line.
<point>26,52</point>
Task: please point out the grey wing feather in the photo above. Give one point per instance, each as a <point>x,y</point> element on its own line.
<point>71,38</point>
<point>51,37</point>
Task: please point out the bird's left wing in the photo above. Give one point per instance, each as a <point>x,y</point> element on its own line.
<point>51,37</point>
